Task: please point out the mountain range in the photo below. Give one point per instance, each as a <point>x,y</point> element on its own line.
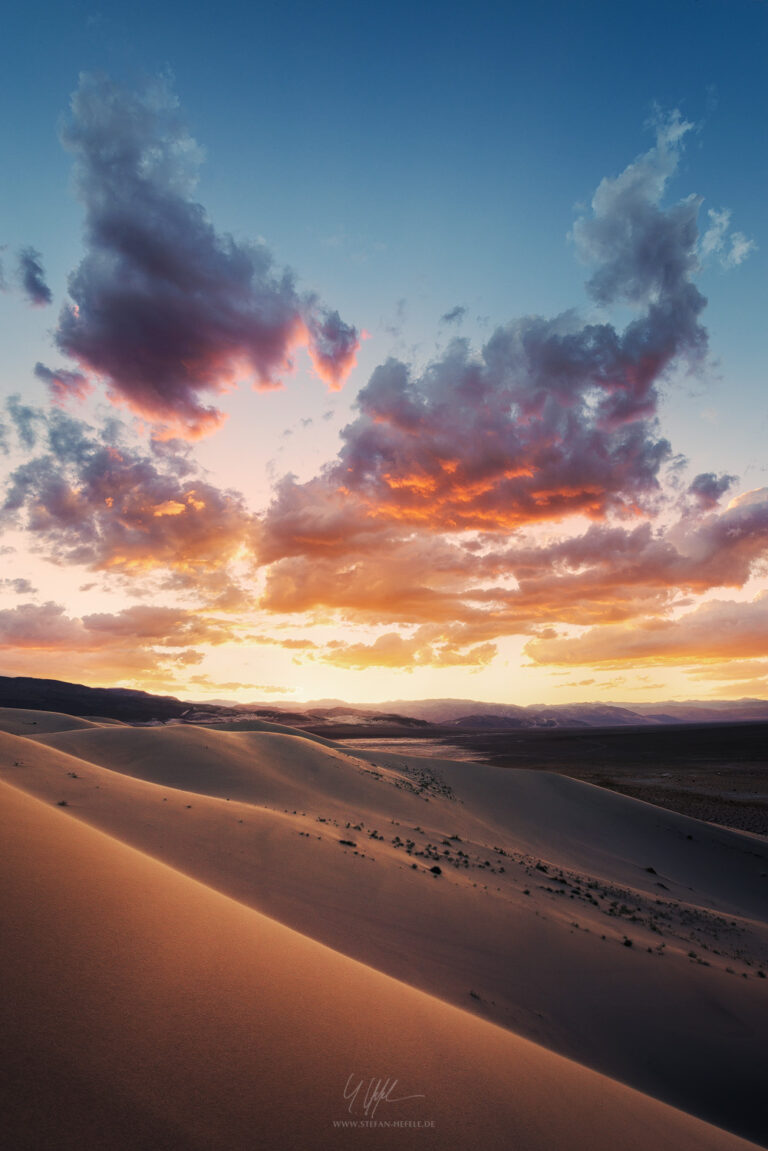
<point>133,706</point>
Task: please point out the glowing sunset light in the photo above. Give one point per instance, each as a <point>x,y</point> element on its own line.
<point>520,473</point>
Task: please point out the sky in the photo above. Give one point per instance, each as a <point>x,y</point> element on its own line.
<point>385,352</point>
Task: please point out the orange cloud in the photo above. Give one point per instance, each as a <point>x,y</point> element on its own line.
<point>141,644</point>
<point>93,499</point>
<point>429,647</point>
<point>716,631</point>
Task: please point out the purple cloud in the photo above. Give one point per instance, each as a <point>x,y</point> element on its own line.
<point>167,311</point>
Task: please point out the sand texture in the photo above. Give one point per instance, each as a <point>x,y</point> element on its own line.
<point>206,933</point>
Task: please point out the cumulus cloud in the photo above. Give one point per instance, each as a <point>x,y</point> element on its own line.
<point>90,496</point>
<point>163,626</point>
<point>492,493</point>
<point>642,252</point>
<point>32,277</point>
<point>166,310</point>
<point>432,513</point>
<point>611,573</point>
<point>604,575</point>
<point>553,417</point>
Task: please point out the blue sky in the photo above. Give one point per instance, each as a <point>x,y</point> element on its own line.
<point>404,161</point>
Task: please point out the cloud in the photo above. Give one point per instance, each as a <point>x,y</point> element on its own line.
<point>333,346</point>
<point>494,492</point>
<point>64,384</point>
<point>18,586</point>
<point>731,248</point>
<point>707,489</point>
<point>144,644</point>
<point>163,626</point>
<point>611,573</point>
<point>268,688</point>
<point>47,626</point>
<point>642,252</point>
<point>427,648</point>
<point>553,417</point>
<point>435,507</point>
<point>716,630</point>
<point>732,671</point>
<point>387,579</point>
<point>90,496</point>
<point>604,575</point>
<point>32,277</point>
<point>25,420</point>
<point>740,248</point>
<point>454,316</point>
<point>167,311</point>
<point>288,644</point>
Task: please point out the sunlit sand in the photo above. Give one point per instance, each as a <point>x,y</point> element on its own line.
<point>237,939</point>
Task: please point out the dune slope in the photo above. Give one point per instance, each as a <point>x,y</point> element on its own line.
<point>523,924</point>
<point>143,1010</point>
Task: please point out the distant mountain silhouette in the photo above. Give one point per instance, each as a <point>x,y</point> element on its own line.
<point>134,706</point>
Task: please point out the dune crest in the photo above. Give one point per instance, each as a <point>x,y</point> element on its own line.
<point>141,1004</point>
<point>627,938</point>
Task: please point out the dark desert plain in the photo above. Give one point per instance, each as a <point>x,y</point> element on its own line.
<point>383,576</point>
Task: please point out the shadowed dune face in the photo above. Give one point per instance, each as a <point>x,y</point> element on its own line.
<point>175,1017</point>
<point>541,882</point>
<point>569,822</point>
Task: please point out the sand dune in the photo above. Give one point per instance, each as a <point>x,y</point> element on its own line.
<point>22,722</point>
<point>571,823</point>
<point>143,1010</point>
<point>529,913</point>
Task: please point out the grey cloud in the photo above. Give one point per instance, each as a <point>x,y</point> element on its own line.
<point>32,277</point>
<point>707,488</point>
<point>25,420</point>
<point>19,586</point>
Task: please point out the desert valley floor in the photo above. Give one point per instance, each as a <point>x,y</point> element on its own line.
<point>210,937</point>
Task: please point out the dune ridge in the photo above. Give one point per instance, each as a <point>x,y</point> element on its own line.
<point>211,1026</point>
<point>534,941</point>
